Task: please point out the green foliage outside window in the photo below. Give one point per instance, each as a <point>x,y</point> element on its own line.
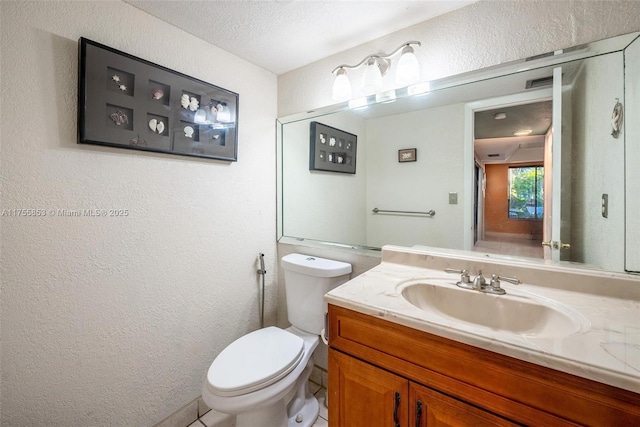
<point>526,192</point>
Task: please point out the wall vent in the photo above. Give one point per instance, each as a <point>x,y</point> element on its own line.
<point>541,82</point>
<point>542,55</point>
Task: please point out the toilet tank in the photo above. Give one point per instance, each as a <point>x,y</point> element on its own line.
<point>306,280</point>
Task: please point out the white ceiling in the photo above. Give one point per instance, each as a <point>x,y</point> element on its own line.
<point>282,35</point>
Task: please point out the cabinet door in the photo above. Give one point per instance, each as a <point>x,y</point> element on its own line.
<point>430,408</point>
<point>362,395</point>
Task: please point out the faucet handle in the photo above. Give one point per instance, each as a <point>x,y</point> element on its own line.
<point>464,274</point>
<point>494,286</point>
<point>496,278</point>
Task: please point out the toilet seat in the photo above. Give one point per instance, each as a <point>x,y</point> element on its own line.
<point>255,361</point>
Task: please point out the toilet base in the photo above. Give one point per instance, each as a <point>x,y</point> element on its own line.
<point>308,415</point>
<point>273,415</point>
<point>303,409</point>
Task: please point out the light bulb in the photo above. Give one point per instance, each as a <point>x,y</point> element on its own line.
<point>371,78</point>
<point>341,86</point>
<point>408,69</point>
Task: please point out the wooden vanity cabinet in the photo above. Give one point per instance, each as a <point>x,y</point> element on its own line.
<point>370,397</point>
<point>433,409</point>
<point>381,372</point>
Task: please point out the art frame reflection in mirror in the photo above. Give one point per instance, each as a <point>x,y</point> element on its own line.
<point>331,149</point>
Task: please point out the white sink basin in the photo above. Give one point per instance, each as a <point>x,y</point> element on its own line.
<point>516,312</point>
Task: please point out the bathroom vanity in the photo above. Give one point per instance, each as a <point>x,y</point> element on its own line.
<point>410,348</point>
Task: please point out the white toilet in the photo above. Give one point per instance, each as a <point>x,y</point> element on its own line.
<point>262,376</point>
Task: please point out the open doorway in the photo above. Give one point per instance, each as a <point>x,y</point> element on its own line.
<point>509,153</point>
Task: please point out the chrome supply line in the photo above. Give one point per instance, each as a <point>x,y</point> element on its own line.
<point>262,272</point>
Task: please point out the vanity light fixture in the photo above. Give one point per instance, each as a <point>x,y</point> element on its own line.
<point>408,68</point>
<point>341,86</point>
<point>376,66</point>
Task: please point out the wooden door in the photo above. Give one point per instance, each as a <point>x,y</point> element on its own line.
<point>362,395</point>
<point>429,408</point>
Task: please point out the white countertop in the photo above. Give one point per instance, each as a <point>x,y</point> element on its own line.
<point>605,349</point>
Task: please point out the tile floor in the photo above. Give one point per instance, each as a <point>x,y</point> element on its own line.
<point>321,394</point>
<point>213,419</point>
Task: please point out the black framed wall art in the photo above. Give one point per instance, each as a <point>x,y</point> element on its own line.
<point>332,149</point>
<point>128,102</point>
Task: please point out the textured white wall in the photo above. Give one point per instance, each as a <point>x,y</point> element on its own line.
<point>339,207</point>
<point>597,240</point>
<point>438,136</point>
<point>479,35</point>
<point>114,321</point>
<point>334,210</point>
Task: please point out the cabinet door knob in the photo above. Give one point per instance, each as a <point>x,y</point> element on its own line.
<point>395,409</point>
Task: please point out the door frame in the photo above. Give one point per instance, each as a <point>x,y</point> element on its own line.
<point>470,108</point>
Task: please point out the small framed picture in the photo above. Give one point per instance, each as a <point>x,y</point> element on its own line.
<point>407,155</point>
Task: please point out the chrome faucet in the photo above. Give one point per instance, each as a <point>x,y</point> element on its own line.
<point>479,283</point>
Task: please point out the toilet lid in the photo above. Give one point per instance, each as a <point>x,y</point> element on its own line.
<point>255,361</point>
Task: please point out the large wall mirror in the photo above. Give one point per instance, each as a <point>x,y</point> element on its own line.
<point>567,190</point>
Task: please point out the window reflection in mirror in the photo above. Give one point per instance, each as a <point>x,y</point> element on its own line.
<point>525,192</point>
